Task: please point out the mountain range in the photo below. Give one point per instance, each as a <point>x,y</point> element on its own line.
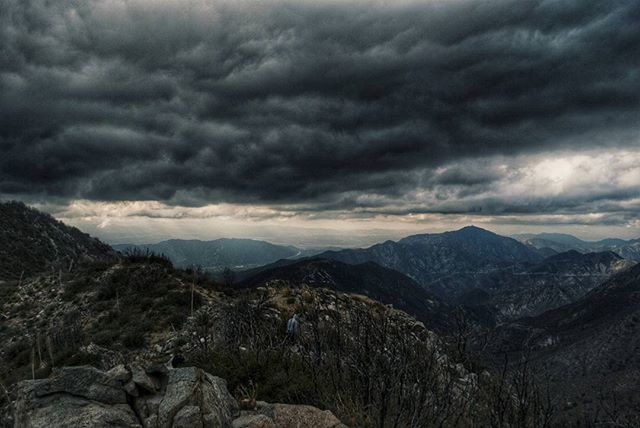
<point>430,259</point>
<point>471,266</point>
<point>560,242</point>
<point>493,278</point>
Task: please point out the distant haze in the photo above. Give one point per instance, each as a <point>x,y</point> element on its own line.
<point>146,231</point>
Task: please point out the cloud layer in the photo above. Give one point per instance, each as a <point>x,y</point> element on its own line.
<point>366,108</point>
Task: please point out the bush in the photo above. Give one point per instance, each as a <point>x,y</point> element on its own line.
<point>81,359</point>
<point>133,339</point>
<point>106,337</point>
<point>107,290</point>
<point>137,255</point>
<point>19,352</point>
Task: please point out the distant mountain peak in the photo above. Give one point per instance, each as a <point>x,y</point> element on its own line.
<point>474,230</point>
<point>474,227</point>
<point>436,259</point>
<point>467,231</point>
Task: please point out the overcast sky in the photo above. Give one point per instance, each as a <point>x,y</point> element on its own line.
<point>322,122</point>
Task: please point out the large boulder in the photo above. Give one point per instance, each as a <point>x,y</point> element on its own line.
<point>85,381</point>
<point>87,397</point>
<point>74,396</point>
<point>193,387</point>
<point>64,411</point>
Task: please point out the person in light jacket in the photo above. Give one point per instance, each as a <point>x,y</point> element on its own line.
<point>293,326</point>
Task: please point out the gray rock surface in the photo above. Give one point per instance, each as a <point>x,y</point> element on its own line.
<point>188,417</point>
<point>63,410</point>
<point>119,373</point>
<point>185,397</point>
<point>190,386</point>
<point>254,421</point>
<point>300,416</point>
<point>142,380</point>
<point>131,388</point>
<point>86,382</point>
<point>73,396</point>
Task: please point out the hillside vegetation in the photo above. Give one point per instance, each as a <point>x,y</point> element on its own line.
<point>33,242</point>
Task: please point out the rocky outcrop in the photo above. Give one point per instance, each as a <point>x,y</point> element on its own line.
<point>74,396</point>
<point>158,397</point>
<point>191,397</point>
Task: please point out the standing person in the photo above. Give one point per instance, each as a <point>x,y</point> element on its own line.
<point>289,342</point>
<point>293,327</point>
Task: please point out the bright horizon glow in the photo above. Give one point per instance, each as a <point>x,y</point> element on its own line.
<point>522,182</point>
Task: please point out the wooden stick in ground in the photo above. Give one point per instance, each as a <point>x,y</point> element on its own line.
<point>33,362</point>
<point>39,349</point>
<point>193,286</point>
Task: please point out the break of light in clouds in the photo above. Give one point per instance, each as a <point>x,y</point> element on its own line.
<point>327,123</point>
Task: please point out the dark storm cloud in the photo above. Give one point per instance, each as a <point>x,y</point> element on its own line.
<point>308,103</point>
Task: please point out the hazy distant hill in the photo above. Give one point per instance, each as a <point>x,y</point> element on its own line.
<point>562,242</point>
<point>219,253</point>
<point>429,258</point>
<point>32,242</point>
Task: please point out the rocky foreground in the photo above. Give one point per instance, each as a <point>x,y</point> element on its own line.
<point>157,396</point>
